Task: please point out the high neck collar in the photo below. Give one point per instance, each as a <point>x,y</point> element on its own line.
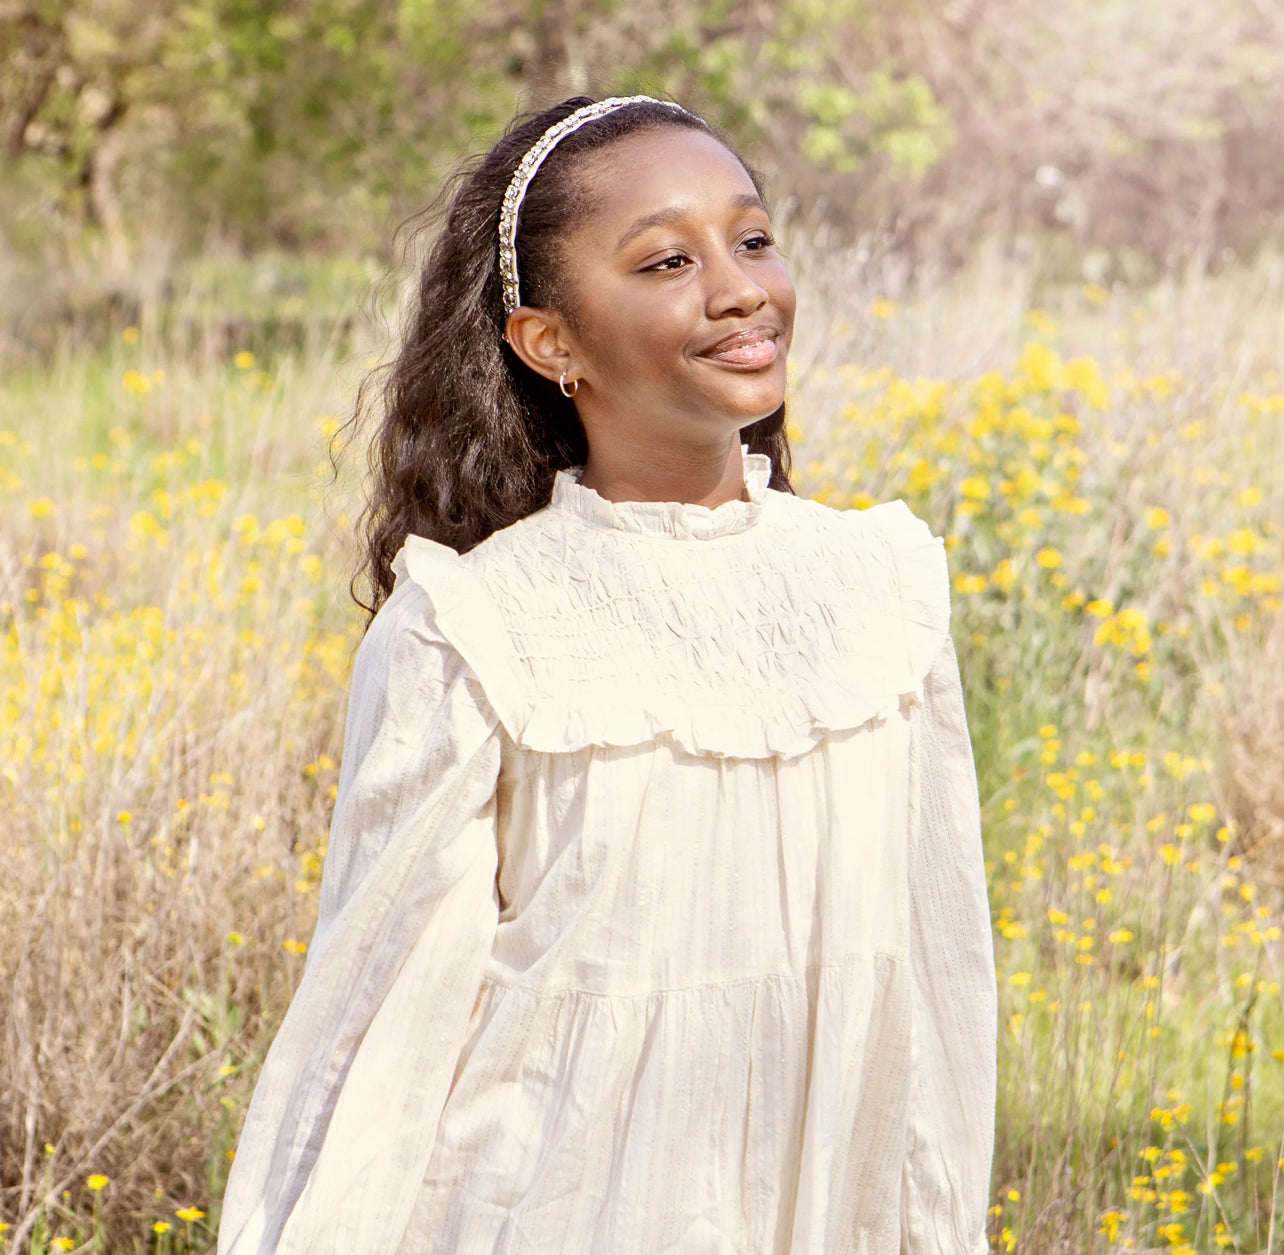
<point>678,519</point>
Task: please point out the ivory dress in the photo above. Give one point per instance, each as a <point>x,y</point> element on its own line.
<point>654,917</point>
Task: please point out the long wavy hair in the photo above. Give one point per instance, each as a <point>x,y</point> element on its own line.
<point>468,438</point>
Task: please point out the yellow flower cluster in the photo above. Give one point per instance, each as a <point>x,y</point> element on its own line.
<point>174,651</point>
<point>1101,599</point>
<point>174,655</point>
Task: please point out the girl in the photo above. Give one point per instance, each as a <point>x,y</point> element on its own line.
<point>654,918</point>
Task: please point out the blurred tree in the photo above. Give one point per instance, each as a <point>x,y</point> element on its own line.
<point>919,126</point>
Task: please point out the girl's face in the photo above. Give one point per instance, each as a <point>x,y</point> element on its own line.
<point>682,310</point>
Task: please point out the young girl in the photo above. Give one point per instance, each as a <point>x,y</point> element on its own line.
<point>654,918</point>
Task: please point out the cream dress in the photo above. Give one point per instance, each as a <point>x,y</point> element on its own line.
<point>654,918</point>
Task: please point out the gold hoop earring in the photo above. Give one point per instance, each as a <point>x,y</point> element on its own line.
<point>572,390</point>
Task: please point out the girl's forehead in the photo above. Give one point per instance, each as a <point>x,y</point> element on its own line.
<point>656,168</point>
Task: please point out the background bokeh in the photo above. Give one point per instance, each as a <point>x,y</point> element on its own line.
<point>1040,257</point>
<point>1111,139</point>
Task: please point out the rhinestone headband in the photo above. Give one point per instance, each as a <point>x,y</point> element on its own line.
<point>526,170</point>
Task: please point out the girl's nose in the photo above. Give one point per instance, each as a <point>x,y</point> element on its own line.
<point>732,289</point>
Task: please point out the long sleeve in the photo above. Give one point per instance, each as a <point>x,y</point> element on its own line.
<point>955,1001</point>
<point>345,1111</point>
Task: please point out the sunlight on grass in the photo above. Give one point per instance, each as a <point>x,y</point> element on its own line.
<point>175,644</point>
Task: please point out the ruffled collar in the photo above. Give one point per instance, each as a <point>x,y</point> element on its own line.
<point>679,519</point>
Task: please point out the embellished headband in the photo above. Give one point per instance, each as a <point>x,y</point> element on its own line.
<point>526,170</point>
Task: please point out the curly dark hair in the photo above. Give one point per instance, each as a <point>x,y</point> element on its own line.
<point>469,438</point>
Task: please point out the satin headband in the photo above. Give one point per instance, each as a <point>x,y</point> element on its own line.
<point>526,170</point>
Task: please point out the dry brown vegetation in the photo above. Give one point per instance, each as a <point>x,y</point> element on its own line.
<point>174,657</point>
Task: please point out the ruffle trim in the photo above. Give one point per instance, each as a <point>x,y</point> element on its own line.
<point>784,723</point>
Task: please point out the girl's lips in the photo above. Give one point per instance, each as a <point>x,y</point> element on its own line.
<point>760,351</point>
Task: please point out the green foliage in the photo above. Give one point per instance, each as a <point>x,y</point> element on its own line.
<point>899,117</point>
<point>287,120</point>
<point>317,124</point>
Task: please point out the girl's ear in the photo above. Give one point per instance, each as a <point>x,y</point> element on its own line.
<point>539,337</point>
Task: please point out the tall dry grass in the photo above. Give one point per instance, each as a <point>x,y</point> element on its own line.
<point>174,649</point>
<point>175,653</point>
<point>1112,500</point>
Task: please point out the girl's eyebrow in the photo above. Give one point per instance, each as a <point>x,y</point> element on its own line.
<point>675,213</point>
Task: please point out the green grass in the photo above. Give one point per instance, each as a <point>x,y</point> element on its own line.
<point>175,640</point>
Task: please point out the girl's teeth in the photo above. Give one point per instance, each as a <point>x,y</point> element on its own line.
<point>759,351</point>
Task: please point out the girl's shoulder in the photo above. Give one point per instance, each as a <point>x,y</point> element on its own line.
<point>893,520</point>
<point>918,556</point>
<point>889,533</point>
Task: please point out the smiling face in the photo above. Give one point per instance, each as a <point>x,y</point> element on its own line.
<point>679,308</point>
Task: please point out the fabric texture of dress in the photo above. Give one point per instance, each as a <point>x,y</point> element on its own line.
<point>654,914</point>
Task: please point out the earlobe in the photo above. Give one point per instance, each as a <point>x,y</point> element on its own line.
<point>537,337</point>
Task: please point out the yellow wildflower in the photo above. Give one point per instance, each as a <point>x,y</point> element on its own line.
<point>136,382</point>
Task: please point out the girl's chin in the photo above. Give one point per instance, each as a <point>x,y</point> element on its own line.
<point>762,393</point>
<point>762,406</point>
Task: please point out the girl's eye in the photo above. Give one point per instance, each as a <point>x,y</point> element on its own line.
<point>676,261</point>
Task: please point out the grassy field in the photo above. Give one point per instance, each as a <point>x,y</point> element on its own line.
<point>175,642</point>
